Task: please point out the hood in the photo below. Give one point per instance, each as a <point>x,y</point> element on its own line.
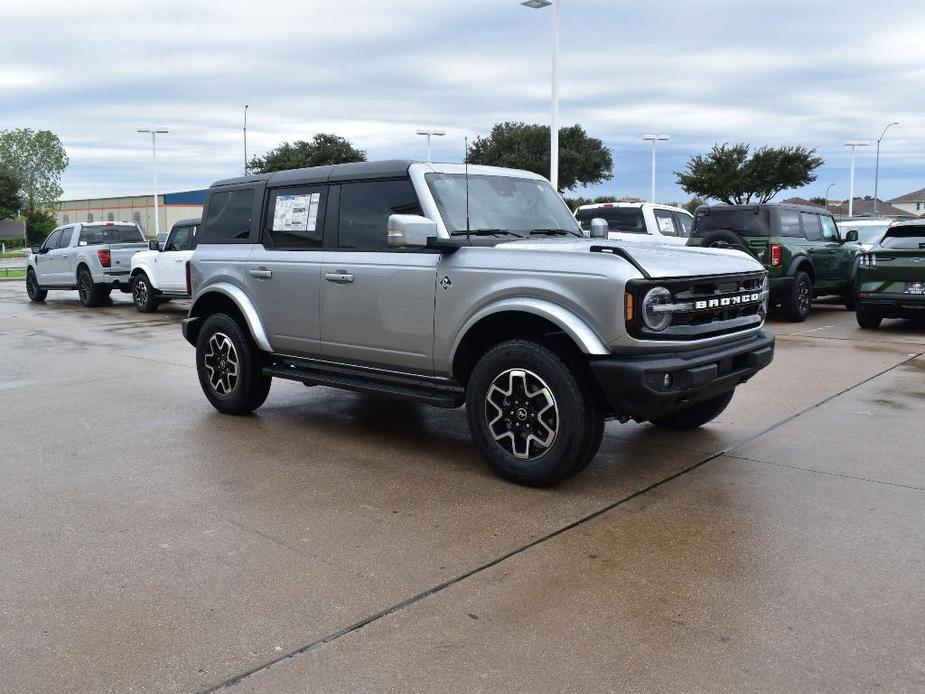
<point>659,260</point>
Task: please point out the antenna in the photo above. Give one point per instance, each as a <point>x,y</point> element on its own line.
<point>466,165</point>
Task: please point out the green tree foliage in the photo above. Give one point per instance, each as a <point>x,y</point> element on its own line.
<point>10,202</point>
<point>322,150</point>
<point>575,203</point>
<point>692,204</point>
<point>818,201</point>
<point>36,159</point>
<point>727,173</point>
<point>39,224</point>
<point>583,160</point>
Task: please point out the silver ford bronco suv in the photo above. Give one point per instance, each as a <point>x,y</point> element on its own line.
<point>474,285</point>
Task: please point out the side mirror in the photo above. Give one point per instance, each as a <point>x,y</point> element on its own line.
<point>36,250</point>
<point>410,231</point>
<point>599,228</point>
<point>153,245</point>
<point>852,235</point>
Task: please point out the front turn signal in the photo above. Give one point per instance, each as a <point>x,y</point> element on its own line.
<point>629,307</point>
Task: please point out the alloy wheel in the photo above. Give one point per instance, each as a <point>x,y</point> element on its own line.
<point>140,292</point>
<point>221,363</point>
<point>83,288</point>
<point>804,296</point>
<point>522,414</point>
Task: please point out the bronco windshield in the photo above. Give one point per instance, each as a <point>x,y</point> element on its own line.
<point>503,203</point>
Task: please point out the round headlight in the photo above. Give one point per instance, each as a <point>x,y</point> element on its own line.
<point>655,311</point>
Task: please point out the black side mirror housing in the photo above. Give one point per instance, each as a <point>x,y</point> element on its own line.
<point>36,250</point>
<point>153,245</point>
<point>852,235</point>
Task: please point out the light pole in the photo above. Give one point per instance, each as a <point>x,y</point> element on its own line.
<point>853,144</point>
<point>554,126</point>
<point>877,168</point>
<point>654,139</point>
<point>429,134</point>
<point>827,196</point>
<point>246,106</point>
<point>154,133</point>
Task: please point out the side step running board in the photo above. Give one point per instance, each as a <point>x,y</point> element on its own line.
<point>436,397</point>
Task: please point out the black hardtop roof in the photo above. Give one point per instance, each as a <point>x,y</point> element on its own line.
<point>812,209</point>
<point>187,222</point>
<point>392,168</point>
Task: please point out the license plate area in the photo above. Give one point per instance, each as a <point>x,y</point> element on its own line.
<point>915,288</point>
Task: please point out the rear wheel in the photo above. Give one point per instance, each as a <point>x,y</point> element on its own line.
<point>90,294</point>
<point>867,319</point>
<point>35,292</point>
<point>534,418</point>
<point>229,366</point>
<point>695,415</point>
<point>797,303</point>
<point>143,294</point>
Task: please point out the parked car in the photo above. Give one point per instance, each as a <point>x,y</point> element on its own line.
<point>452,287</point>
<point>638,221</point>
<point>891,279</point>
<point>800,246</point>
<point>870,231</point>
<point>159,274</point>
<point>94,258</point>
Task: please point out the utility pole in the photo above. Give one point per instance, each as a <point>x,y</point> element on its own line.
<point>853,144</point>
<point>246,106</point>
<point>877,169</point>
<point>154,133</point>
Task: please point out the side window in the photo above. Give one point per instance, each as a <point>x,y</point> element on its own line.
<point>685,222</point>
<point>295,218</point>
<point>65,239</point>
<point>52,241</point>
<point>180,240</point>
<point>365,209</point>
<point>228,217</point>
<point>790,223</point>
<point>811,228</point>
<point>665,222</point>
<point>829,230</point>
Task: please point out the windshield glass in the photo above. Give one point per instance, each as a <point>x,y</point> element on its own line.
<point>626,219</point>
<point>866,234</point>
<point>907,238</point>
<point>518,205</point>
<point>110,233</point>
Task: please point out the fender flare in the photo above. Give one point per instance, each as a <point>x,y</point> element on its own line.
<point>244,305</point>
<point>573,326</point>
<point>796,262</point>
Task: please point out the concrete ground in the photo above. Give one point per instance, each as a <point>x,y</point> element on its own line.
<point>339,543</point>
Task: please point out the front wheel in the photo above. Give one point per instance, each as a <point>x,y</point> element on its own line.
<point>35,292</point>
<point>867,319</point>
<point>695,415</point>
<point>143,294</point>
<point>797,303</point>
<point>535,419</point>
<point>229,367</point>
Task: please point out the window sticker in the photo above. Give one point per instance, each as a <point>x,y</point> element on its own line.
<point>296,213</point>
<point>665,225</point>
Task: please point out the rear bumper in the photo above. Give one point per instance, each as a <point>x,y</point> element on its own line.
<point>891,304</point>
<point>635,386</point>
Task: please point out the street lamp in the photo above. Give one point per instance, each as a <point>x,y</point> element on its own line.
<point>877,168</point>
<point>654,139</point>
<point>154,133</point>
<point>853,144</point>
<point>554,126</point>
<point>429,134</point>
<point>827,196</point>
<point>246,106</point>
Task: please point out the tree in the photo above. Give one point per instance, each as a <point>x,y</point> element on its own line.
<point>39,224</point>
<point>583,160</point>
<point>727,173</point>
<point>692,204</point>
<point>36,159</point>
<point>324,149</point>
<point>10,202</point>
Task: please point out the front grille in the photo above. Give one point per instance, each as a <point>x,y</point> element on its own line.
<point>706,306</point>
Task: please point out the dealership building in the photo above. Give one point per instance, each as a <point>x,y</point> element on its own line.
<point>172,207</point>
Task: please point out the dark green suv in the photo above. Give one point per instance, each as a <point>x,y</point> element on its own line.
<point>800,246</point>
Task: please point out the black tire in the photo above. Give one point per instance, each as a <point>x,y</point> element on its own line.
<point>221,343</point>
<point>851,298</point>
<point>725,238</point>
<point>143,295</point>
<point>695,415</point>
<point>797,303</point>
<point>90,294</point>
<point>547,396</point>
<point>35,292</point>
<point>867,319</point>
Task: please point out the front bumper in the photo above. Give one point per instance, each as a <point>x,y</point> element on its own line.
<point>635,386</point>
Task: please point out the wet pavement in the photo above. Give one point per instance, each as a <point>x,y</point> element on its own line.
<point>339,542</point>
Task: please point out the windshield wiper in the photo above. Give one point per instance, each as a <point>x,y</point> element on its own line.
<point>484,232</point>
<point>553,232</point>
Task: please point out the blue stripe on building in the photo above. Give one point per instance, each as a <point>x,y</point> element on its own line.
<point>189,197</point>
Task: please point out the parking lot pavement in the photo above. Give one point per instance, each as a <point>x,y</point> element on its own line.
<point>338,542</point>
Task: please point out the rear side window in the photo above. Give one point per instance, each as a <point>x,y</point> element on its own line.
<point>295,218</point>
<point>744,222</point>
<point>109,233</point>
<point>908,238</point>
<point>811,227</point>
<point>626,219</point>
<point>665,221</point>
<point>790,223</point>
<point>365,208</point>
<point>228,217</point>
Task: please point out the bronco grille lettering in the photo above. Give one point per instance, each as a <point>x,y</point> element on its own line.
<point>737,300</point>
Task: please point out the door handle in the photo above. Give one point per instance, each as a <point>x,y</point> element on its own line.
<point>260,273</point>
<point>341,277</point>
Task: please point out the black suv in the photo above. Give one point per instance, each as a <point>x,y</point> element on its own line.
<point>800,246</point>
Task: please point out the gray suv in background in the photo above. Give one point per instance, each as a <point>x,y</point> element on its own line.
<point>457,285</point>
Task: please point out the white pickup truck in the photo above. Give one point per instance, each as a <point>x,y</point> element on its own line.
<point>639,221</point>
<point>93,258</point>
<point>160,275</point>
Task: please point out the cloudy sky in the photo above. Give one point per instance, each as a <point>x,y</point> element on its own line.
<point>812,72</point>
